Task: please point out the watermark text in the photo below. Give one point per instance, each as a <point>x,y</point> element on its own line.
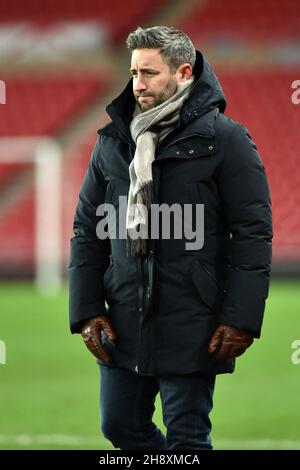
<point>295,97</point>
<point>2,352</point>
<point>2,92</point>
<point>179,222</point>
<point>295,357</point>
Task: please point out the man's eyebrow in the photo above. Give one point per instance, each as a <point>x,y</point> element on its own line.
<point>144,70</point>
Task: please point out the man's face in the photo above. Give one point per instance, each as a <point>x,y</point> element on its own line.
<point>153,82</point>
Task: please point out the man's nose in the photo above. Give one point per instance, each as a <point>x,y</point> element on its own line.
<point>139,84</point>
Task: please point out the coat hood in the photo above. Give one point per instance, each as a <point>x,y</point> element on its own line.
<point>206,94</point>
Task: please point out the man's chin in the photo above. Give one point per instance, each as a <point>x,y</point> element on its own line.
<point>144,107</point>
<point>146,104</point>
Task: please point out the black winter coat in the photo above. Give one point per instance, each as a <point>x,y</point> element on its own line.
<point>165,307</point>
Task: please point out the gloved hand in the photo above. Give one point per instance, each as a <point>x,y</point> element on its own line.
<point>229,342</point>
<point>91,334</point>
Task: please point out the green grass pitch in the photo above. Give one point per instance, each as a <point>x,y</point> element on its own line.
<point>50,384</point>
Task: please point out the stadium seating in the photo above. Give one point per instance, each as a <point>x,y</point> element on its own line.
<point>46,105</point>
<point>117,16</point>
<point>37,106</point>
<point>233,20</point>
<point>261,100</point>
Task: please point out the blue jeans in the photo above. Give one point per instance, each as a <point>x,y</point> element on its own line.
<point>127,404</point>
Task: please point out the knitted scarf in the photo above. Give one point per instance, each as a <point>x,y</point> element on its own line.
<point>148,129</point>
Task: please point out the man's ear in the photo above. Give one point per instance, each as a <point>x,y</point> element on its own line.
<point>184,72</point>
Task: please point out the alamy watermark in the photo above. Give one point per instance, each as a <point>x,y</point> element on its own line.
<point>2,352</point>
<point>188,222</point>
<point>2,92</point>
<point>295,357</point>
<point>295,97</point>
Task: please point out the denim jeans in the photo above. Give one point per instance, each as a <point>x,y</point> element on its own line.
<point>127,404</point>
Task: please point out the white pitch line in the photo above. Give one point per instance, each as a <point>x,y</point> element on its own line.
<point>58,439</point>
<point>25,440</point>
<point>256,444</point>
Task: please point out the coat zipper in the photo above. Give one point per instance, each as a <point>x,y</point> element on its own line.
<point>140,263</point>
<point>144,292</point>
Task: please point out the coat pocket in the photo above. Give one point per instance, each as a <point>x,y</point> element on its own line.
<point>107,278</point>
<point>206,286</point>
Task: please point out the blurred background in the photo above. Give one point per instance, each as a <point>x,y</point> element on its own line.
<point>61,63</point>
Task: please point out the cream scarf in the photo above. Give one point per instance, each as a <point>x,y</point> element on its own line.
<point>148,129</point>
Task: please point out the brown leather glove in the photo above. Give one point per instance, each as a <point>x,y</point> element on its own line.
<point>91,334</point>
<point>228,342</point>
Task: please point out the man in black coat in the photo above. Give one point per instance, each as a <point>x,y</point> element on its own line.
<point>171,254</point>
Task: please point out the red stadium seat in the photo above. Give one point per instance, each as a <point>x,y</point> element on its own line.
<point>117,16</point>
<point>46,105</point>
<point>261,100</point>
<point>234,20</point>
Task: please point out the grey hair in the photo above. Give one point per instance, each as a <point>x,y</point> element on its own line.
<point>175,47</point>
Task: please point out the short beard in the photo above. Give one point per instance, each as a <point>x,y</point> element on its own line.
<point>169,91</point>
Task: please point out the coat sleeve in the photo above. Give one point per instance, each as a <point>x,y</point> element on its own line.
<point>246,201</point>
<point>89,257</point>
